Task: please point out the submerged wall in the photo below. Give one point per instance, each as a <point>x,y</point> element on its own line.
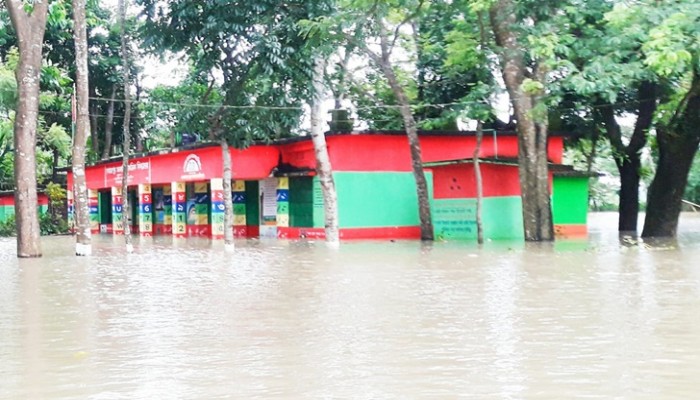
<point>7,205</point>
<point>454,207</point>
<point>570,205</point>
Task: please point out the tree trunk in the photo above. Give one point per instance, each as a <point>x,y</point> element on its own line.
<point>628,206</point>
<point>54,165</point>
<point>93,124</point>
<point>323,162</point>
<point>628,158</point>
<point>83,246</point>
<point>678,143</point>
<point>30,35</point>
<point>532,134</point>
<point>479,185</point>
<point>426,223</point>
<point>139,139</point>
<point>109,124</point>
<point>228,201</point>
<point>126,209</point>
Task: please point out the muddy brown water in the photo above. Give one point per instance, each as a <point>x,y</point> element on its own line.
<point>599,318</point>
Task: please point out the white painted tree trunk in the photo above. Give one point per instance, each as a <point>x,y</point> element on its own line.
<point>323,162</point>
<point>83,246</point>
<point>228,201</point>
<point>126,209</point>
<point>479,185</point>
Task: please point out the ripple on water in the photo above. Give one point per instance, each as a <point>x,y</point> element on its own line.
<point>602,318</point>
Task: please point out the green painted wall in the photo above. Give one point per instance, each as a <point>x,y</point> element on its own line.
<point>570,200</point>
<point>372,199</point>
<point>503,218</point>
<point>319,213</point>
<point>455,219</point>
<point>8,211</point>
<point>301,202</point>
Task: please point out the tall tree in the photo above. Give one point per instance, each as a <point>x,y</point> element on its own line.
<point>672,51</point>
<point>29,22</point>
<point>374,21</point>
<point>678,138</point>
<point>628,157</point>
<point>606,78</point>
<point>109,123</point>
<point>525,81</point>
<point>83,247</point>
<point>126,210</point>
<point>323,162</point>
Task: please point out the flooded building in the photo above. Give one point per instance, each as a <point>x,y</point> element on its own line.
<point>276,192</point>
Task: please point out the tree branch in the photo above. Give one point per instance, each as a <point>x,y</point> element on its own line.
<point>402,23</point>
<point>646,96</point>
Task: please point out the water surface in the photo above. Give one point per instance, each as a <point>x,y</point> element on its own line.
<point>598,318</point>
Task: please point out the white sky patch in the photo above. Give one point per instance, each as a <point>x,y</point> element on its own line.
<point>166,72</point>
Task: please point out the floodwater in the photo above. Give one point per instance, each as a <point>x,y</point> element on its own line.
<point>603,318</point>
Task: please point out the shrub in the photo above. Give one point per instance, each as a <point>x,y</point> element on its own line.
<point>48,225</point>
<point>8,227</point>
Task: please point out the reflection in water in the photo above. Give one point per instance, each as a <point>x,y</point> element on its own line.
<point>600,318</point>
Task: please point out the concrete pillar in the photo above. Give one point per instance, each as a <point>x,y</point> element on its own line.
<point>240,228</point>
<point>282,206</point>
<point>201,226</point>
<point>163,223</point>
<point>179,209</point>
<point>117,211</point>
<point>217,208</point>
<point>145,210</point>
<point>94,207</point>
<point>71,209</point>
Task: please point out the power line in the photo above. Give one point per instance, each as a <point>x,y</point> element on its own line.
<point>373,107</point>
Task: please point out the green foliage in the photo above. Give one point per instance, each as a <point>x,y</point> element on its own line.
<point>8,227</point>
<point>532,87</point>
<point>692,191</point>
<point>259,49</point>
<point>52,226</point>
<point>376,104</point>
<point>603,189</point>
<point>8,90</point>
<point>453,68</point>
<point>56,194</point>
<point>54,221</point>
<point>56,138</point>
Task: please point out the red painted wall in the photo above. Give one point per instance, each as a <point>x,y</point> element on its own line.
<point>457,181</point>
<point>201,164</point>
<point>355,152</point>
<point>375,152</point>
<point>8,199</point>
<point>254,163</point>
<point>298,154</point>
<point>369,152</point>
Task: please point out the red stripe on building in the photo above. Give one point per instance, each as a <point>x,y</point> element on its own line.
<point>571,230</point>
<point>397,232</point>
